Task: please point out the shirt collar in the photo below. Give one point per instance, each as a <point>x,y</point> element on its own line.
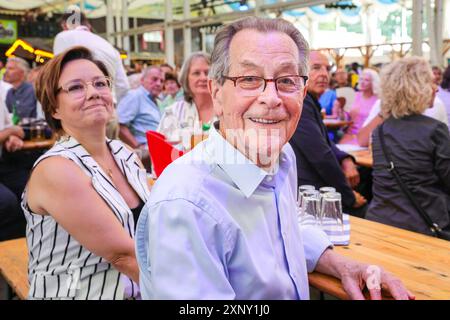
<point>242,171</point>
<point>148,94</point>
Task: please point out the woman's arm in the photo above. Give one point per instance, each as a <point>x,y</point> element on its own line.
<point>363,135</point>
<point>58,187</point>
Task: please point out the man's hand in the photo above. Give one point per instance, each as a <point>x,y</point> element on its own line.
<point>356,275</point>
<point>350,172</point>
<point>13,143</point>
<point>359,200</point>
<point>17,131</point>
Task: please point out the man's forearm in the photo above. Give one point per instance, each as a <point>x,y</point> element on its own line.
<point>332,263</point>
<point>126,136</point>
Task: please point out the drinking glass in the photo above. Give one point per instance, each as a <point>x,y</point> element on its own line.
<point>311,203</point>
<point>327,189</point>
<point>301,189</point>
<point>331,207</point>
<point>37,132</point>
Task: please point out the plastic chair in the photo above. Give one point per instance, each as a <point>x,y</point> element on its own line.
<point>162,153</point>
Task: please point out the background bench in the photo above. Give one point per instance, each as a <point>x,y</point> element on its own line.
<point>14,265</point>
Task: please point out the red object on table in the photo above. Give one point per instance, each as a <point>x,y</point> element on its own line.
<point>162,153</point>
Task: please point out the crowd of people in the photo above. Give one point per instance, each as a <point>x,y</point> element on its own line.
<point>218,223</point>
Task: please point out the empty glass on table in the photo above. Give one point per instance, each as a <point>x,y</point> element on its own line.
<point>323,190</point>
<point>331,207</point>
<point>311,203</point>
<point>301,189</point>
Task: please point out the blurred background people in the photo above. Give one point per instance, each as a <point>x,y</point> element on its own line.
<point>12,178</point>
<point>444,91</point>
<point>138,111</point>
<point>437,75</point>
<point>365,98</point>
<point>171,90</point>
<point>20,99</point>
<point>196,109</point>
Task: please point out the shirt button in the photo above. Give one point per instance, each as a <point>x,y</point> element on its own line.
<point>269,178</point>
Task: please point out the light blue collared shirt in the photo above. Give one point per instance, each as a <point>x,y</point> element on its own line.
<point>139,113</point>
<point>216,226</point>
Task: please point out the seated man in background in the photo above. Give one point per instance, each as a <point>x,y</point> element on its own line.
<point>221,221</point>
<point>20,99</point>
<point>319,162</point>
<point>138,112</point>
<point>13,178</point>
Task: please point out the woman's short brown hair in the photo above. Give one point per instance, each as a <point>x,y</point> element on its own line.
<point>48,79</point>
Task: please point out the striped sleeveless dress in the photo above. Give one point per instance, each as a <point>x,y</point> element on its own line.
<point>59,266</point>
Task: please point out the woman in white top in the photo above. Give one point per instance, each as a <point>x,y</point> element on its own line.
<point>78,200</point>
<point>197,108</point>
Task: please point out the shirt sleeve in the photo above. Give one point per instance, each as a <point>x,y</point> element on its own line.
<point>315,242</point>
<point>128,109</point>
<point>186,253</point>
<point>121,81</point>
<point>59,45</point>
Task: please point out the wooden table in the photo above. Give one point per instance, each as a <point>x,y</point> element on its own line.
<point>44,144</point>
<point>14,264</point>
<point>336,123</point>
<point>363,158</point>
<point>421,262</point>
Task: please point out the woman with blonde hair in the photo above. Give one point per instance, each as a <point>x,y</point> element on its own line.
<point>418,147</point>
<point>365,98</point>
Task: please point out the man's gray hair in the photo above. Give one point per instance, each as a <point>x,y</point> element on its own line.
<point>21,63</point>
<point>148,69</point>
<point>220,57</point>
<point>184,73</point>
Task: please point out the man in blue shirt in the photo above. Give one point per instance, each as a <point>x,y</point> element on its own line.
<point>221,221</point>
<point>138,111</point>
<point>21,96</point>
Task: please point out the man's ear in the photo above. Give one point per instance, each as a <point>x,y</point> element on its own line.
<point>215,90</point>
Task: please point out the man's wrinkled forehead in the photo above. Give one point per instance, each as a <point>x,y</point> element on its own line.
<point>283,64</point>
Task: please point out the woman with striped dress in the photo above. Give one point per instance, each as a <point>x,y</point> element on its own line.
<point>85,193</point>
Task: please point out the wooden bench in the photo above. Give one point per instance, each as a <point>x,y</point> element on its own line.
<point>14,265</point>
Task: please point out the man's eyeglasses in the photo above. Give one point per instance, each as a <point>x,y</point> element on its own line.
<point>77,88</point>
<point>254,85</point>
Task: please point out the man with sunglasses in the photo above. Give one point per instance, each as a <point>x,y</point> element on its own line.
<point>221,221</point>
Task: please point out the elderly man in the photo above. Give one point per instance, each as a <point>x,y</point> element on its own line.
<point>221,221</point>
<point>138,111</point>
<point>319,162</point>
<point>20,99</point>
